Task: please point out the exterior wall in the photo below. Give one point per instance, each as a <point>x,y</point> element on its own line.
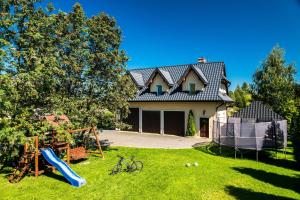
<point>158,80</point>
<point>222,88</point>
<point>197,108</point>
<point>192,78</point>
<point>222,114</point>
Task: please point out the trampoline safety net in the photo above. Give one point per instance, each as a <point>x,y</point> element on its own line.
<point>249,134</point>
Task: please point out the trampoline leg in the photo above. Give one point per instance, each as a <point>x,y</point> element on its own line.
<point>284,152</point>
<point>256,156</point>
<point>234,152</point>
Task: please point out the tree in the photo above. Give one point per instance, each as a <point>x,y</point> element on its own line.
<point>295,130</point>
<point>242,96</point>
<point>191,126</point>
<point>295,127</point>
<point>58,62</point>
<point>273,83</point>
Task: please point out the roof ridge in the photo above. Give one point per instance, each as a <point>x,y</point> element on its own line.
<point>175,65</point>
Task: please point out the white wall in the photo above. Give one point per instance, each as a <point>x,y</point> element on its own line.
<point>158,80</point>
<point>192,78</point>
<point>223,88</point>
<point>196,107</point>
<point>222,114</point>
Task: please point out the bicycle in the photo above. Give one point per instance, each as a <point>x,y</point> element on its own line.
<point>127,166</point>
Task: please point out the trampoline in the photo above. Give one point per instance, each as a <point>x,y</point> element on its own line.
<point>263,130</point>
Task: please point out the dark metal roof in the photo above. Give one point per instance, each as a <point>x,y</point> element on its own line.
<point>258,110</point>
<point>211,73</point>
<point>164,74</point>
<point>225,97</point>
<point>198,72</point>
<point>137,78</point>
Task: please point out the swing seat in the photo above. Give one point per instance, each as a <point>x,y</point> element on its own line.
<point>78,153</point>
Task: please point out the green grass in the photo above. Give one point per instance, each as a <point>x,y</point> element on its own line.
<point>166,177</point>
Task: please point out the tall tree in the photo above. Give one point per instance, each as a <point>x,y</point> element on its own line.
<point>58,62</point>
<point>273,83</point>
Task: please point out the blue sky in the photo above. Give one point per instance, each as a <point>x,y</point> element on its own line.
<point>170,32</point>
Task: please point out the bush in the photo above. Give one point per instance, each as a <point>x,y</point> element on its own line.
<point>191,126</point>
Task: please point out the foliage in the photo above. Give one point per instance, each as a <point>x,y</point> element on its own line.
<point>273,83</point>
<point>58,62</point>
<point>108,120</point>
<point>217,177</point>
<point>191,126</point>
<point>295,130</point>
<point>242,96</point>
<point>295,126</point>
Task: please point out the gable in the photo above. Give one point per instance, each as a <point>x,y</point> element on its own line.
<point>192,78</point>
<point>158,80</point>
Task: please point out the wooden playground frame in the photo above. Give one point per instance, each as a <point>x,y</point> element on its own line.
<point>29,157</point>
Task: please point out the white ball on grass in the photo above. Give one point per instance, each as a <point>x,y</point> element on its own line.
<point>188,164</point>
<point>196,164</point>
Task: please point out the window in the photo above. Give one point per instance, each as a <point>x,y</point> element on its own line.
<point>192,88</point>
<point>159,89</point>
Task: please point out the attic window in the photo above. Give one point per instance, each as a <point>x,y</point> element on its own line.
<point>192,88</point>
<point>158,90</point>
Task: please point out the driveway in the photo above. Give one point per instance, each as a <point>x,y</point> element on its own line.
<point>151,140</point>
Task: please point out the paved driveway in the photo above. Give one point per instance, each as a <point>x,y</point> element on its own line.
<point>151,140</point>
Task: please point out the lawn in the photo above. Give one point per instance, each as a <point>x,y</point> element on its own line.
<point>166,177</point>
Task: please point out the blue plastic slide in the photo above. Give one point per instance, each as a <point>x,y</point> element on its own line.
<point>62,167</point>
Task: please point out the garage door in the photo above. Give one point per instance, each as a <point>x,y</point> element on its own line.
<point>151,121</point>
<point>174,122</point>
<point>133,119</point>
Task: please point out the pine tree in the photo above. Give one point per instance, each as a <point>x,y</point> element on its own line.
<point>191,126</point>
<point>242,96</point>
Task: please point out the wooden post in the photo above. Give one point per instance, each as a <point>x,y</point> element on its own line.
<point>36,159</point>
<point>68,154</point>
<point>97,141</point>
<point>25,148</point>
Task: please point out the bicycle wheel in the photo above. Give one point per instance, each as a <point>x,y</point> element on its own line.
<point>136,166</point>
<point>117,169</point>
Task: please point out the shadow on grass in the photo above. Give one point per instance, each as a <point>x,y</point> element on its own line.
<point>56,176</point>
<point>244,194</point>
<point>278,180</point>
<point>267,157</point>
<point>109,148</point>
<point>78,161</point>
<point>7,171</point>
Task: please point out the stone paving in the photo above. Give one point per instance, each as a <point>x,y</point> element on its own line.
<point>151,140</point>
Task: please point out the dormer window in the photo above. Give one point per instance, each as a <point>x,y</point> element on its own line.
<point>192,89</point>
<point>159,90</point>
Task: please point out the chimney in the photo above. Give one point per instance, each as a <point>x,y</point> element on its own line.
<point>201,60</point>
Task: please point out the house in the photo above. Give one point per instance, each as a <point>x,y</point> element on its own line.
<point>166,94</point>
